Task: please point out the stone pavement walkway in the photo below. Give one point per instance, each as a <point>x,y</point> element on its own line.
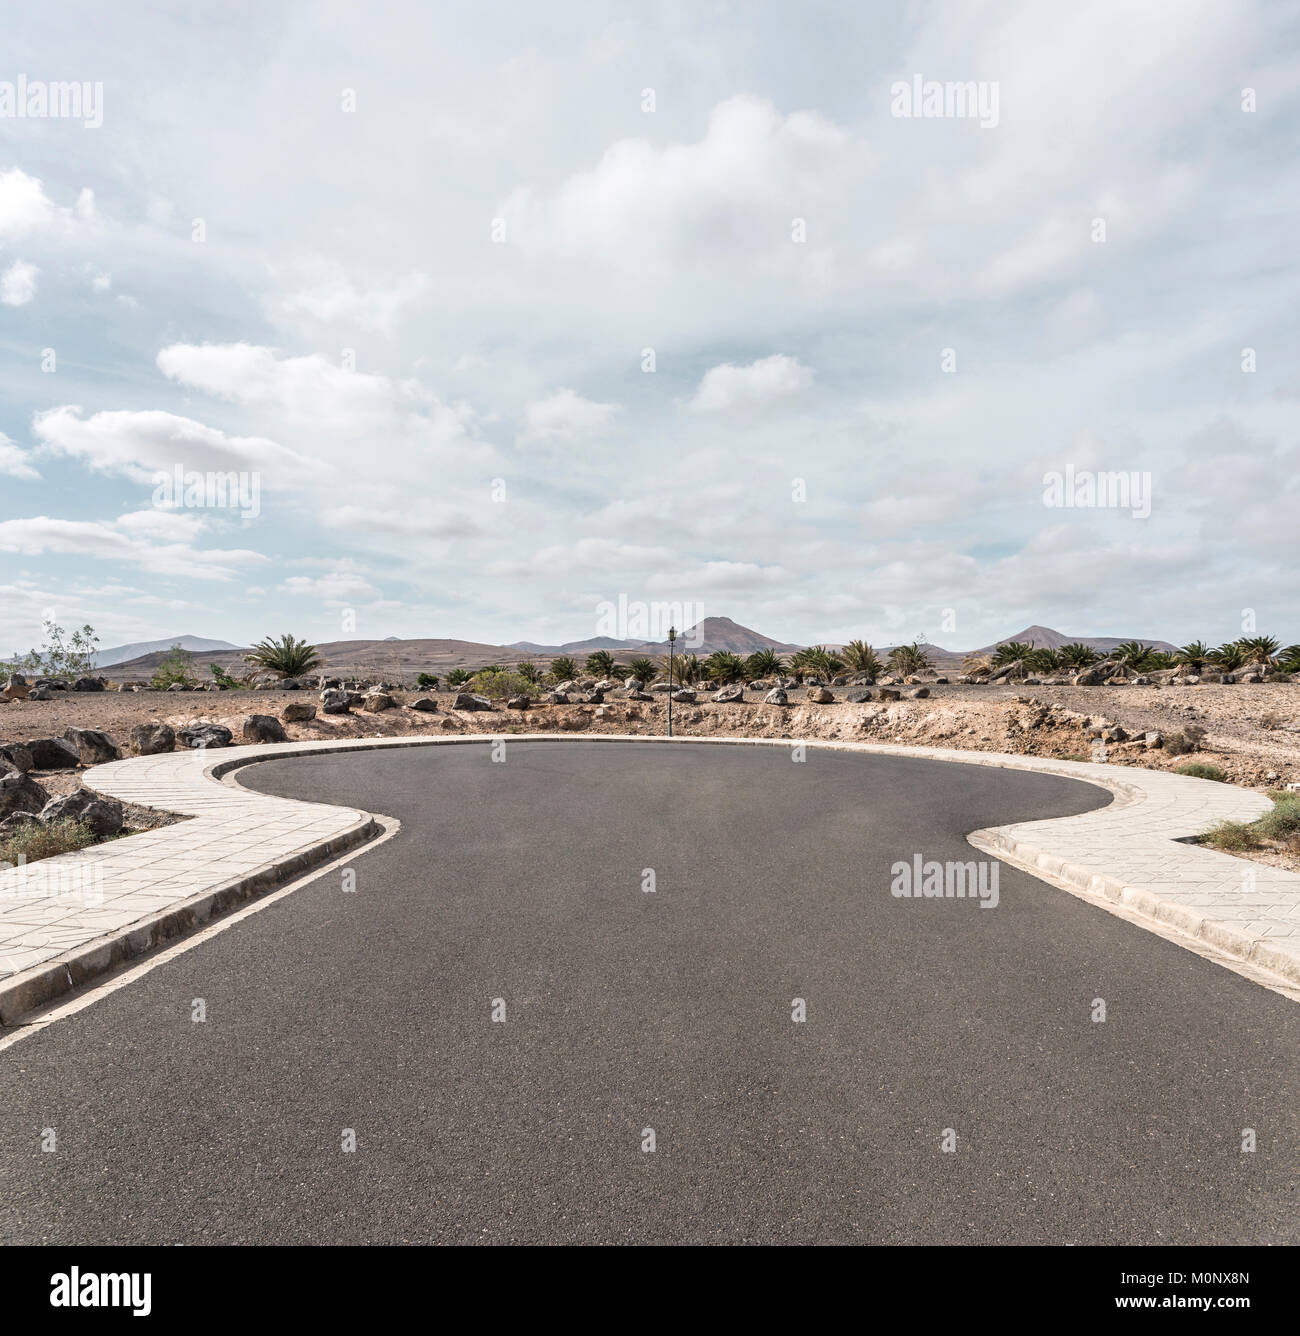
<point>66,920</point>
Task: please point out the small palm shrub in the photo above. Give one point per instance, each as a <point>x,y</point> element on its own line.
<point>909,659</point>
<point>458,677</point>
<point>1077,655</point>
<point>601,663</point>
<point>1014,651</point>
<point>1195,656</point>
<point>427,681</point>
<point>723,667</point>
<point>643,669</point>
<point>1288,659</point>
<point>686,668</point>
<point>286,656</point>
<point>563,668</point>
<point>529,672</point>
<point>861,658</point>
<point>1228,657</point>
<point>764,663</point>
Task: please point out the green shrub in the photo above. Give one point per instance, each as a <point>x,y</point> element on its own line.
<point>428,681</point>
<point>1283,822</point>
<point>500,685</point>
<point>36,842</point>
<point>1199,770</point>
<point>224,679</point>
<point>1232,835</point>
<point>457,677</point>
<point>175,667</point>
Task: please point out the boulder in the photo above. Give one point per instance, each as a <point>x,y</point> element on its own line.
<point>603,685</point>
<point>425,704</point>
<point>918,693</point>
<point>859,697</point>
<point>467,700</point>
<point>890,693</point>
<point>199,737</point>
<point>17,757</point>
<point>777,696</point>
<point>593,697</point>
<point>17,822</point>
<point>729,695</point>
<point>290,684</point>
<point>632,684</point>
<point>567,686</point>
<point>660,687</point>
<point>20,793</point>
<point>93,747</point>
<point>558,698</point>
<point>152,739</point>
<point>298,712</point>
<point>518,703</point>
<point>53,754</point>
<point>40,693</point>
<point>685,695</point>
<point>88,684</point>
<point>604,712</point>
<point>637,694</point>
<point>263,728</point>
<point>333,700</point>
<point>377,701</point>
<point>102,815</point>
<point>1153,739</point>
<point>820,695</point>
<point>356,699</point>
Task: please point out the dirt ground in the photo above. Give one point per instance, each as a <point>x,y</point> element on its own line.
<point>1252,731</point>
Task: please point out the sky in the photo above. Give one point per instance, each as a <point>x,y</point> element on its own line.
<point>504,313</point>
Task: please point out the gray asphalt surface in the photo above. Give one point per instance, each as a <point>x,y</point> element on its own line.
<point>668,1010</point>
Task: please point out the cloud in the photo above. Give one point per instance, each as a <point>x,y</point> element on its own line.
<point>14,462</point>
<point>335,300</point>
<point>567,416</point>
<point>754,386</point>
<point>422,520</point>
<point>18,283</point>
<point>337,589</point>
<point>140,445</point>
<point>25,208</point>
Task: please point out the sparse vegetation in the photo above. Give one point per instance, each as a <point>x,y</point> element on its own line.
<point>500,683</point>
<point>563,669</point>
<point>65,657</point>
<point>427,681</point>
<point>35,842</point>
<point>458,677</point>
<point>176,669</point>
<point>643,669</point>
<point>224,679</point>
<point>861,658</point>
<point>1280,826</point>
<point>286,656</point>
<point>909,659</point>
<point>723,667</point>
<point>600,663</point>
<point>764,663</point>
<point>1199,770</point>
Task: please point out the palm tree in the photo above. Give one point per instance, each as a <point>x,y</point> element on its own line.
<point>1044,660</point>
<point>1159,659</point>
<point>1288,659</point>
<point>642,669</point>
<point>818,660</point>
<point>1229,657</point>
<point>686,669</point>
<point>722,666</point>
<point>528,671</point>
<point>1078,655</point>
<point>458,677</point>
<point>286,656</point>
<point>908,659</point>
<point>861,658</point>
<point>1259,649</point>
<point>1133,653</point>
<point>1011,651</point>
<point>764,663</point>
<point>563,668</point>
<point>601,663</point>
<point>1195,656</point>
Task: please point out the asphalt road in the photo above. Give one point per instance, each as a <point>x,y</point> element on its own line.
<point>626,1010</point>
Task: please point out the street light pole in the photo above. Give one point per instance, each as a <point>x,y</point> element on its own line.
<point>672,635</point>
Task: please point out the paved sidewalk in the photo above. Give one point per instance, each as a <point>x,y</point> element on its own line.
<point>65,920</point>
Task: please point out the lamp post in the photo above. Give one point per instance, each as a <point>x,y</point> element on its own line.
<point>672,635</point>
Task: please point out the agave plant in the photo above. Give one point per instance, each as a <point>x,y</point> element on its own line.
<point>600,663</point>
<point>1259,649</point>
<point>1229,657</point>
<point>563,668</point>
<point>764,663</point>
<point>908,659</point>
<point>861,658</point>
<point>722,666</point>
<point>1077,655</point>
<point>286,656</point>
<point>642,669</point>
<point>1012,651</point>
<point>1195,656</point>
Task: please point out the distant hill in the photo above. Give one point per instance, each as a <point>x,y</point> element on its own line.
<point>123,653</point>
<point>714,633</point>
<point>1043,637</point>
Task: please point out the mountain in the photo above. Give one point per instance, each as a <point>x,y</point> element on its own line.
<point>1043,637</point>
<point>715,633</point>
<point>575,646</point>
<point>124,653</point>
